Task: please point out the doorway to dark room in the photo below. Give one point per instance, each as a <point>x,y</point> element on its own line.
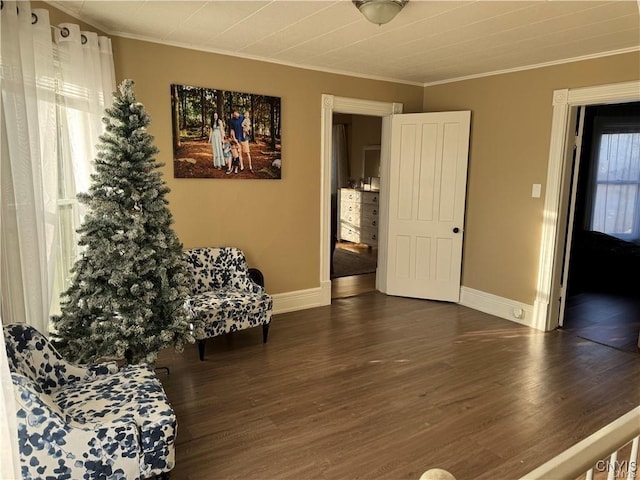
<point>603,281</point>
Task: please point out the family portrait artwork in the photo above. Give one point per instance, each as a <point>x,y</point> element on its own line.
<point>225,134</point>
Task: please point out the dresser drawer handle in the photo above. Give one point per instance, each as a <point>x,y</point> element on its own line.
<point>375,199</point>
<point>374,223</point>
<point>375,212</point>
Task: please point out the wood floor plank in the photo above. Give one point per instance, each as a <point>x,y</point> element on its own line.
<point>605,317</point>
<point>375,386</point>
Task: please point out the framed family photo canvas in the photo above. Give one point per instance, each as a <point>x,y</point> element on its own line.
<point>225,134</point>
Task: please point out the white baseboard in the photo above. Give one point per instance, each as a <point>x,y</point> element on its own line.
<point>485,302</point>
<point>499,306</point>
<point>302,299</point>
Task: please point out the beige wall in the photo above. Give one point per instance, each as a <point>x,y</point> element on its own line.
<point>362,131</point>
<point>510,134</point>
<point>276,222</point>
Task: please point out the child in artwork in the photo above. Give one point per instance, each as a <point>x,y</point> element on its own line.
<point>235,156</point>
<point>246,124</point>
<point>246,133</point>
<point>228,156</point>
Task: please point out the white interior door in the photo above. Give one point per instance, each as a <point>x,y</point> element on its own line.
<point>426,204</point>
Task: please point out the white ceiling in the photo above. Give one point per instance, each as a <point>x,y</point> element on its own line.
<point>428,42</point>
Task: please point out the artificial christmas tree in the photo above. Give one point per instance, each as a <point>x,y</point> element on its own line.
<point>129,288</point>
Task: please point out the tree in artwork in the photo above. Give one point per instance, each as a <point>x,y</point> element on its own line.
<point>129,288</point>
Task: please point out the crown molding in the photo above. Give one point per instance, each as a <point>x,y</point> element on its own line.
<point>536,65</point>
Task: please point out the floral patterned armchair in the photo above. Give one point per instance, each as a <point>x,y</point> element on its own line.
<point>95,421</point>
<point>227,296</point>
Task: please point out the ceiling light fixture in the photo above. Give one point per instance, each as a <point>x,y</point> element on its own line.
<point>379,11</point>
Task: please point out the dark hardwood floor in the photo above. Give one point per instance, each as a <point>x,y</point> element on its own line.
<point>607,318</point>
<point>349,286</point>
<point>384,387</point>
<point>354,285</point>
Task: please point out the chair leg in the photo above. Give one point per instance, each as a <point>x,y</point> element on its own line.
<point>201,349</point>
<point>265,332</point>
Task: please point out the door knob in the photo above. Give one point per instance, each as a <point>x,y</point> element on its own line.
<point>456,229</point>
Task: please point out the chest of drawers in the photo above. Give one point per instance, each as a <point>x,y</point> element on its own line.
<point>359,216</point>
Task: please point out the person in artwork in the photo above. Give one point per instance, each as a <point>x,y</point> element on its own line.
<point>228,156</point>
<point>215,139</point>
<point>237,134</point>
<point>246,132</point>
<point>236,157</point>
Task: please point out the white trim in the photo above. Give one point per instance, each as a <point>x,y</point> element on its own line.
<point>562,100</point>
<point>612,93</point>
<point>582,456</point>
<point>508,309</point>
<point>573,192</point>
<point>354,106</point>
<point>481,301</point>
<point>383,225</point>
<point>298,300</point>
<point>562,61</point>
<point>551,207</point>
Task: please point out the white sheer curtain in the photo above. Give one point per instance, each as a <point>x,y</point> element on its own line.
<point>86,81</point>
<point>616,187</point>
<point>339,177</point>
<point>53,95</point>
<point>340,158</point>
<point>9,464</point>
<point>27,215</point>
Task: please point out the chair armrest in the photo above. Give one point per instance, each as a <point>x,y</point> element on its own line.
<point>257,276</point>
<point>67,372</point>
<point>50,444</point>
<point>99,369</point>
<point>247,280</point>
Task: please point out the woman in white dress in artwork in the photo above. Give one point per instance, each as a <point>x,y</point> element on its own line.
<point>215,139</point>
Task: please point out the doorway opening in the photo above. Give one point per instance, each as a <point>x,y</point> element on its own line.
<point>603,259</point>
<point>330,105</point>
<point>546,307</point>
<point>355,205</point>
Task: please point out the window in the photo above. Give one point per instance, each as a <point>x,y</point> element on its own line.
<point>615,208</point>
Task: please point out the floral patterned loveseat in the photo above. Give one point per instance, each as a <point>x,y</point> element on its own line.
<point>93,422</point>
<point>226,295</point>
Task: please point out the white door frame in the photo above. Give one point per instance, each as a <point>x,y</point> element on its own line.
<point>566,101</point>
<point>330,105</point>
